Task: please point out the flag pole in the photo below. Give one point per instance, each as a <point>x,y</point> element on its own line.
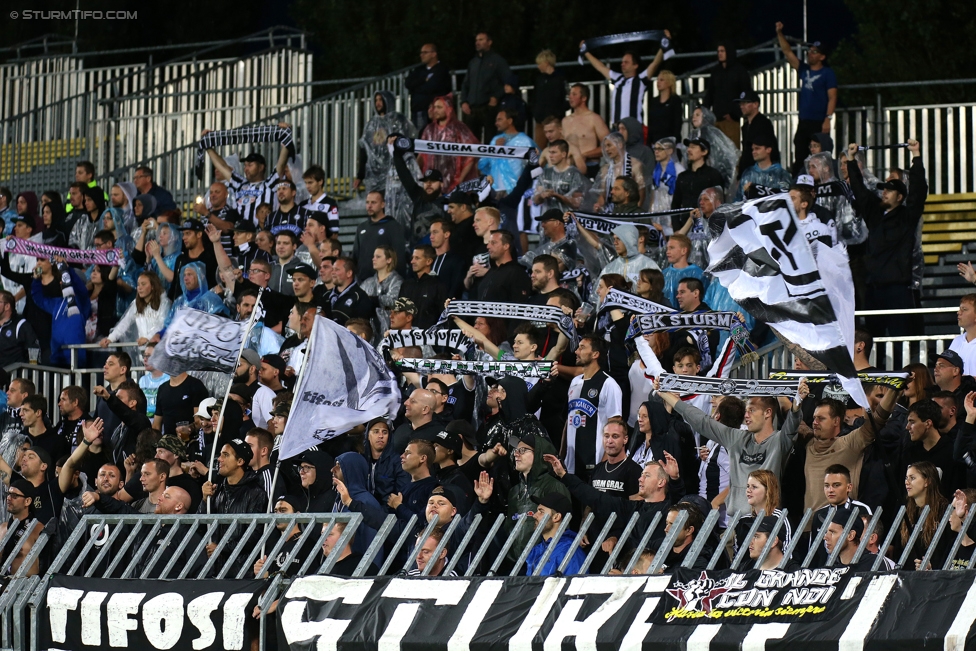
<point>223,405</point>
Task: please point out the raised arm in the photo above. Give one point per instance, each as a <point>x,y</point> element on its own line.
<point>655,65</point>
<point>91,432</point>
<point>785,47</point>
<point>223,169</point>
<point>596,63</point>
<point>282,165</point>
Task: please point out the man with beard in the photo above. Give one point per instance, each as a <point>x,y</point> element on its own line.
<point>69,406</point>
<point>220,214</point>
<point>377,230</point>
<point>129,406</point>
<point>428,199</point>
<point>247,371</point>
<point>20,508</point>
<point>108,481</point>
<point>445,127</point>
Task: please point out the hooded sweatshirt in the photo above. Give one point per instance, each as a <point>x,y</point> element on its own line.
<point>320,495</point>
<point>725,83</point>
<point>556,559</point>
<point>632,262</point>
<point>386,475</point>
<point>355,475</point>
<point>537,483</point>
<point>127,213</point>
<point>635,143</point>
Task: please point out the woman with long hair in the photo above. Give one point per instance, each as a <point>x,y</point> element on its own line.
<point>384,285</point>
<point>102,292</point>
<point>762,493</point>
<point>27,209</point>
<point>650,285</point>
<point>55,231</point>
<point>922,485</point>
<point>386,475</point>
<point>145,316</point>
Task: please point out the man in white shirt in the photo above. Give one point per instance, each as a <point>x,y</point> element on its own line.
<point>965,343</point>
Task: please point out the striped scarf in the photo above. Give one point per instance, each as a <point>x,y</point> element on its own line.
<point>67,290</point>
<point>493,368</point>
<point>240,137</point>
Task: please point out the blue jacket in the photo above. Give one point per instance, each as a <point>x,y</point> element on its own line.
<point>558,554</point>
<point>387,475</point>
<point>355,475</point>
<point>65,329</point>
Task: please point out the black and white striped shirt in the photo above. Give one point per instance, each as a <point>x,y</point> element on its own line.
<point>324,204</point>
<point>628,96</point>
<point>292,220</point>
<point>249,196</point>
<point>227,214</point>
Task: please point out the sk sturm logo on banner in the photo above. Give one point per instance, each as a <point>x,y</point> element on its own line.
<point>769,595</point>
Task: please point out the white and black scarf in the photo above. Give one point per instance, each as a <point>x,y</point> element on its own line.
<point>441,148</point>
<point>642,324</point>
<point>242,136</point>
<point>67,290</point>
<point>517,311</point>
<point>895,381</point>
<point>455,339</point>
<point>605,223</point>
<point>493,368</point>
<point>591,44</point>
<point>738,387</point>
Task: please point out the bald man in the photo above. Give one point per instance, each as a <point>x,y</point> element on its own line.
<point>418,409</point>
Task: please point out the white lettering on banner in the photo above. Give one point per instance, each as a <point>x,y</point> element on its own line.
<point>483,599</point>
<point>619,588</point>
<point>198,612</point>
<point>91,620</point>
<point>755,639</point>
<point>162,620</point>
<point>234,617</point>
<point>955,639</point>
<point>544,602</point>
<point>444,593</point>
<point>320,588</point>
<point>852,639</point>
<point>59,602</point>
<point>120,606</point>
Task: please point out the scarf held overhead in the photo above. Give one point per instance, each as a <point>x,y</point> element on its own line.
<point>517,311</point>
<point>738,387</point>
<point>895,381</point>
<point>455,339</point>
<point>591,44</point>
<point>674,321</point>
<point>242,136</point>
<point>436,147</point>
<point>603,224</point>
<point>537,369</point>
<point>110,257</point>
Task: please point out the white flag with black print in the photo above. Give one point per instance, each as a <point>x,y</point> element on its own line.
<point>762,257</point>
<point>344,383</point>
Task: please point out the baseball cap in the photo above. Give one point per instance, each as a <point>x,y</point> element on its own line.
<point>767,524</point>
<point>25,487</point>
<point>203,411</point>
<point>452,493</point>
<point>320,217</point>
<point>844,514</point>
<point>254,157</point>
<point>245,226</point>
<point>274,361</point>
<point>554,501</point>
<point>305,269</point>
<point>450,441</point>
<point>804,182</point>
<point>281,409</point>
<point>553,214</point>
<point>747,96</point>
<point>701,142</point>
<point>43,455</point>
<point>241,450</point>
<point>295,502</point>
<point>953,358</point>
<point>433,175</point>
<point>251,357</point>
<point>462,198</point>
<point>819,47</point>
<point>894,184</point>
<point>465,430</point>
<point>404,305</point>
<point>173,444</point>
<point>192,225</point>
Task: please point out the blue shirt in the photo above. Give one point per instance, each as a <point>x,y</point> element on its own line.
<point>673,276</point>
<point>814,85</point>
<point>558,554</point>
<point>505,171</point>
<point>150,387</point>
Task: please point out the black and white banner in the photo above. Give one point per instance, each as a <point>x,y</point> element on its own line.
<point>84,613</point>
<point>455,339</point>
<point>738,387</point>
<point>518,311</point>
<point>344,383</point>
<point>441,148</point>
<point>895,381</point>
<point>674,321</point>
<point>905,611</point>
<point>766,263</point>
<point>604,224</point>
<point>493,368</point>
<point>199,341</point>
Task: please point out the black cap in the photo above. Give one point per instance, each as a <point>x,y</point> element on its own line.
<point>465,430</point>
<point>254,157</point>
<point>701,142</point>
<point>295,502</point>
<point>453,494</point>
<point>764,139</point>
<point>320,217</point>
<point>192,225</point>
<point>553,214</point>
<point>747,96</point>
<point>450,441</point>
<point>767,524</point>
<point>275,361</point>
<point>819,47</point>
<point>953,358</point>
<point>303,269</point>
<point>894,184</point>
<point>241,450</point>
<point>844,514</point>
<point>245,226</point>
<point>433,175</point>
<point>554,501</point>
<point>25,487</point>
<point>462,198</point>
<point>43,454</point>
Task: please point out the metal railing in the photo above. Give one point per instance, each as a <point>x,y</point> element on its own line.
<point>23,579</point>
<point>175,547</point>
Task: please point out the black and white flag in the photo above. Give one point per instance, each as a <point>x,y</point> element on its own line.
<point>344,383</point>
<point>763,258</point>
<point>199,341</point>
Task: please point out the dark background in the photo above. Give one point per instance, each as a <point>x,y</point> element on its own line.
<point>869,40</point>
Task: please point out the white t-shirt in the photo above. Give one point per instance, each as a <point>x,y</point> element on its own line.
<point>966,350</point>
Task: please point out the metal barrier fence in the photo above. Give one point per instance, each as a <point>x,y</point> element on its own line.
<point>175,547</point>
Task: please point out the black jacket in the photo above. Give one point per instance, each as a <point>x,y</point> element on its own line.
<point>507,283</point>
<point>123,439</point>
<point>16,336</point>
<point>450,270</point>
<point>759,125</point>
<point>485,79</point>
<point>601,502</point>
<point>429,294</point>
<point>663,119</point>
<point>549,96</point>
<point>891,235</point>
<point>354,303</point>
<point>464,242</point>
<point>424,210</point>
<point>724,86</point>
<point>689,186</point>
<point>425,84</point>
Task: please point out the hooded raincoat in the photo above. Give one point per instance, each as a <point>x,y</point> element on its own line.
<point>376,164</point>
<point>723,155</point>
<point>632,262</point>
<point>617,162</point>
<point>453,130</point>
<point>200,298</point>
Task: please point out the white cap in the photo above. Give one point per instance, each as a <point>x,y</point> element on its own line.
<point>203,411</point>
<point>805,179</point>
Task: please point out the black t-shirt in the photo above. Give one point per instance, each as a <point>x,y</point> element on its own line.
<point>460,401</point>
<point>616,480</point>
<point>177,404</point>
<point>52,442</point>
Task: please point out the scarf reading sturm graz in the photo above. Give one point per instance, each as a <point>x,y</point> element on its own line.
<point>602,223</point>
<point>455,339</point>
<point>539,369</point>
<point>643,324</point>
<point>517,311</point>
<point>740,388</point>
<point>67,290</point>
<point>438,148</point>
<point>629,37</point>
<point>240,137</point>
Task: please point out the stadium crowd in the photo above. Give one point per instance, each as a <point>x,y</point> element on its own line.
<point>596,436</point>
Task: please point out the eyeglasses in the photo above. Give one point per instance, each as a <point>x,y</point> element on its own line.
<point>436,393</point>
<point>9,495</point>
<point>306,469</point>
<point>522,451</point>
<point>257,271</point>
